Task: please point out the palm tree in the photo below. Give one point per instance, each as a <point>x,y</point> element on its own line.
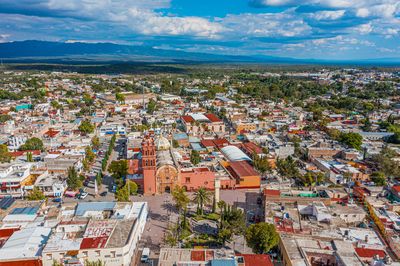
<point>181,201</point>
<point>201,197</point>
<point>180,198</point>
<point>221,204</point>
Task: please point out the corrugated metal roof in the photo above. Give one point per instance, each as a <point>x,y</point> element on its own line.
<point>25,243</point>
<point>224,262</point>
<point>26,210</point>
<point>6,202</point>
<point>233,154</point>
<point>83,207</point>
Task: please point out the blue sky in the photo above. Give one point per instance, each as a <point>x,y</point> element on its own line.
<point>320,29</point>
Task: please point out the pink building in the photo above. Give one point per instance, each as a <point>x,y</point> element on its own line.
<point>195,178</point>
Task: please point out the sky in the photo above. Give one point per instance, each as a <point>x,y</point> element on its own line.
<point>307,29</point>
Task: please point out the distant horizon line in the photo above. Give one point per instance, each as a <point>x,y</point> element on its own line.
<point>251,58</point>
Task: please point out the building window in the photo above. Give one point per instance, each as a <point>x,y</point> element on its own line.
<point>187,179</point>
<point>49,257</point>
<point>112,254</point>
<point>97,252</point>
<point>85,253</point>
<point>206,183</point>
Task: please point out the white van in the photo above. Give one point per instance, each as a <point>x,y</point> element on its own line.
<point>145,255</point>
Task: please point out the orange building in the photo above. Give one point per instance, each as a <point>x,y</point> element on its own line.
<point>245,175</point>
<point>149,166</point>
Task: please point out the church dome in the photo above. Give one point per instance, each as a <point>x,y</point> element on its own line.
<point>162,143</point>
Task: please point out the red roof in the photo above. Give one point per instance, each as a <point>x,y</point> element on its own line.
<point>7,232</point>
<point>94,242</point>
<point>272,192</point>
<point>212,117</point>
<point>252,148</point>
<point>369,252</point>
<point>197,255</point>
<point>207,143</point>
<point>20,153</point>
<point>256,259</point>
<point>51,133</point>
<point>221,142</point>
<point>396,188</point>
<point>187,118</point>
<point>243,168</point>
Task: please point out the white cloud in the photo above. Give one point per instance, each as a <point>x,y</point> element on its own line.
<point>4,37</point>
<point>341,41</point>
<point>364,28</point>
<point>152,23</point>
<point>361,8</point>
<point>266,25</point>
<point>383,26</point>
<point>329,15</point>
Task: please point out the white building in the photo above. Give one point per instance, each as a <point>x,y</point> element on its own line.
<point>106,231</point>
<point>13,178</point>
<point>15,142</point>
<point>111,129</point>
<point>51,185</point>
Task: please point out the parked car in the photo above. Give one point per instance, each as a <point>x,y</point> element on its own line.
<point>145,255</point>
<point>83,195</point>
<point>57,200</point>
<point>103,194</point>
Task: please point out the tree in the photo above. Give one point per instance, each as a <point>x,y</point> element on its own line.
<point>378,178</point>
<point>5,156</point>
<point>151,106</point>
<point>195,157</point>
<point>87,99</point>
<point>386,163</point>
<point>95,142</point>
<point>32,144</point>
<point>90,156</point>
<point>261,237</point>
<point>36,194</point>
<point>94,263</point>
<point>171,236</point>
<point>201,197</point>
<point>120,97</point>
<point>175,143</point>
<point>5,118</point>
<point>131,186</point>
<point>29,157</point>
<point>55,104</point>
<point>221,205</point>
<point>232,222</point>
<point>56,263</point>
<point>351,139</point>
<point>287,167</point>
<point>261,164</point>
<point>311,178</point>
<point>181,200</point>
<point>122,194</point>
<point>73,180</point>
<point>86,127</point>
<point>118,169</point>
<point>99,179</point>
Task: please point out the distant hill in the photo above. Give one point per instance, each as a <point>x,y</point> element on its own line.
<point>43,51</point>
<point>104,51</point>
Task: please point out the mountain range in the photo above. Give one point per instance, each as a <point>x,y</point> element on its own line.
<point>42,51</point>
